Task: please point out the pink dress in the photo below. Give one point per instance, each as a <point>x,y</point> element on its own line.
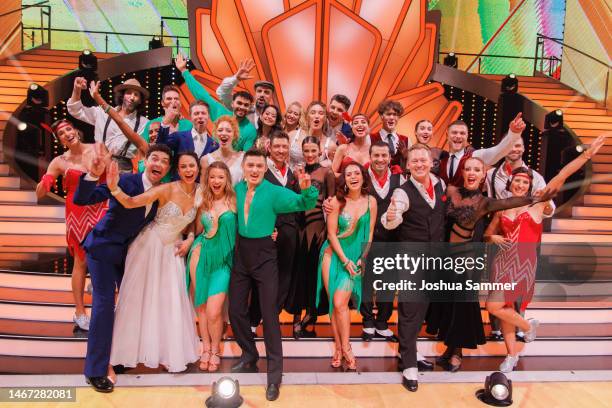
<point>519,263</point>
<point>80,220</point>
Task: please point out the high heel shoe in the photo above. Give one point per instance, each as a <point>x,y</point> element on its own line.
<point>336,360</point>
<point>453,368</point>
<point>349,358</point>
<point>205,360</point>
<point>214,362</point>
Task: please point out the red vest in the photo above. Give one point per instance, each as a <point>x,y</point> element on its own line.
<point>457,179</point>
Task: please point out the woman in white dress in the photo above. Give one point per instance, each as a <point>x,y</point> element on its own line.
<point>226,131</point>
<point>154,318</point>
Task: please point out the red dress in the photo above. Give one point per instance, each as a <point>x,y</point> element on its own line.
<point>518,264</point>
<point>80,220</point>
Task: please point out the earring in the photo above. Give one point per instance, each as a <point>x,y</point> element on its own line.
<point>346,189</point>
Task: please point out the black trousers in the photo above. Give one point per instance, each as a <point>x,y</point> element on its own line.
<point>255,265</point>
<point>409,321</point>
<point>286,245</point>
<point>383,314</point>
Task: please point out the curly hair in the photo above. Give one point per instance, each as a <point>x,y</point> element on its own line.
<point>342,188</point>
<point>233,123</point>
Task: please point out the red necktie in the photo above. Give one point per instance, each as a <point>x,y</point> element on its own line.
<point>381,180</point>
<point>283,170</point>
<point>430,190</point>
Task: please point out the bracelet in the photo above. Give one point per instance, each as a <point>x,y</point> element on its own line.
<point>107,109</point>
<point>344,264</point>
<point>116,191</point>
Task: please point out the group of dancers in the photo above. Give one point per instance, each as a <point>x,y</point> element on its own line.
<point>271,212</point>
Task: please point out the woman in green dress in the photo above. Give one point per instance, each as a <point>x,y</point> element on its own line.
<point>349,226</point>
<point>211,257</point>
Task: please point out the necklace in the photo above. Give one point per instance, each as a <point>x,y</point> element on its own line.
<point>184,192</point>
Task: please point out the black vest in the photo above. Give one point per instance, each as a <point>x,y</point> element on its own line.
<point>421,223</point>
<point>293,185</point>
<point>381,233</point>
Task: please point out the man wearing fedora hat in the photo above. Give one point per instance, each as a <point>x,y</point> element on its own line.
<point>128,97</point>
<point>264,90</point>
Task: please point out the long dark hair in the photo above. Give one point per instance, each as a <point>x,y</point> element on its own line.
<point>342,188</point>
<point>275,126</point>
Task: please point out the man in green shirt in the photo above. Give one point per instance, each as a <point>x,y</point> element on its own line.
<point>241,106</point>
<point>258,202</point>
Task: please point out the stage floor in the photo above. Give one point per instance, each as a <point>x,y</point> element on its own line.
<point>552,394</point>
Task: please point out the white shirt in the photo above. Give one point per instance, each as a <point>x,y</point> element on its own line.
<point>331,131</point>
<point>384,136</point>
<point>490,155</point>
<point>277,173</point>
<point>147,186</point>
<point>115,139</point>
<point>384,190</point>
<point>199,141</point>
<point>402,202</point>
<point>225,91</point>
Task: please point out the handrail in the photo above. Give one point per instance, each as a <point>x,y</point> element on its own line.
<point>107,32</point>
<point>561,42</point>
<point>512,13</point>
<point>41,4</point>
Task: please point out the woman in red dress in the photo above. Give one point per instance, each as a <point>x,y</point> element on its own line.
<point>518,263</point>
<point>79,220</point>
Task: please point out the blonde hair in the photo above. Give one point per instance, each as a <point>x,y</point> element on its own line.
<point>305,123</point>
<point>228,189</point>
<point>233,123</point>
<point>301,109</point>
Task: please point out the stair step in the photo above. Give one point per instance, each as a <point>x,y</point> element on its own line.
<point>18,256</point>
<point>64,59</point>
<point>583,111</point>
<point>562,236</point>
<point>31,211</point>
<point>580,211</point>
<point>33,228</point>
<point>14,91</point>
<point>66,53</point>
<point>600,189</point>
<point>9,182</point>
<point>529,86</point>
<point>4,169</point>
<point>66,66</point>
<point>602,167</point>
<point>11,99</point>
<point>602,157</point>
<point>602,127</point>
<point>48,240</point>
<point>580,250</point>
<point>18,69</point>
<point>38,78</point>
<point>590,118</point>
<point>597,199</point>
<point>496,77</point>
<point>60,250</point>
<point>552,97</point>
<point>21,83</point>
<point>581,224</point>
<point>552,105</point>
<point>547,90</point>
<point>592,133</point>
<point>18,196</point>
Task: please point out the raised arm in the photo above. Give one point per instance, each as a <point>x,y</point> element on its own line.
<point>494,154</point>
<point>141,200</point>
<point>130,134</point>
<point>75,106</point>
<point>225,90</point>
<point>338,157</point>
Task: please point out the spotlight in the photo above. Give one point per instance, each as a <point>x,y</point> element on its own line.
<point>554,119</point>
<point>155,43</point>
<point>37,96</point>
<point>451,60</point>
<point>510,84</point>
<point>497,390</point>
<point>225,394</point>
<point>88,61</point>
<point>22,126</point>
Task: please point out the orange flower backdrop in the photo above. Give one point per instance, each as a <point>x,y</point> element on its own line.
<point>368,50</point>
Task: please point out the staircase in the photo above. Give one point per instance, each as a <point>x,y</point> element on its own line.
<point>28,231</point>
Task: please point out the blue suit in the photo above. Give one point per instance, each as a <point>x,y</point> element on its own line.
<point>182,141</point>
<point>106,246</point>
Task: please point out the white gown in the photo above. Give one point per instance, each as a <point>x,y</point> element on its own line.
<point>154,317</point>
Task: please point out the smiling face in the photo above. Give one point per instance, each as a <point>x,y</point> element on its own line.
<point>217,181</point>
<point>473,174</point>
<point>360,127</point>
<point>279,150</point>
<point>268,116</point>
<point>225,133</point>
<point>311,152</point>
<point>419,164</point>
<point>389,120</point>
<point>380,159</point>
<point>263,96</point>
<point>156,166</point>
<point>241,107</point>
<point>424,132</point>
<point>188,169</point>
<point>253,169</point>
<point>316,117</point>
<point>292,116</point>
<point>520,185</point>
<point>67,135</point>
<point>154,131</point>
<point>457,137</point>
<point>516,154</point>
<point>199,117</point>
<point>353,177</point>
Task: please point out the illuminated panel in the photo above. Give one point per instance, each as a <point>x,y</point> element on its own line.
<point>349,47</point>
<point>420,66</point>
<point>209,49</point>
<point>292,48</point>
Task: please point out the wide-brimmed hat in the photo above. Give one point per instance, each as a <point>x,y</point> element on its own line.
<point>132,83</point>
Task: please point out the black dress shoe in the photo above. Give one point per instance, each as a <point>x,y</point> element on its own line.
<point>308,334</point>
<point>272,392</point>
<point>392,338</point>
<point>242,367</point>
<point>101,384</point>
<point>424,365</point>
<point>119,369</point>
<point>520,338</point>
<point>410,385</point>
<point>367,336</point>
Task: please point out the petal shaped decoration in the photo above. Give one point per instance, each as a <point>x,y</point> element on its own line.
<point>217,59</point>
<point>416,71</point>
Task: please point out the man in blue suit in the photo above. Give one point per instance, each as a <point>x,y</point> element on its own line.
<point>195,140</point>
<point>106,246</point>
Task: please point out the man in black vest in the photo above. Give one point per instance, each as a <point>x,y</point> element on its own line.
<point>416,213</point>
<point>286,225</point>
<point>382,187</point>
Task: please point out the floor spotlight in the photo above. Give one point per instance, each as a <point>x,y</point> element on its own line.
<point>451,60</point>
<point>22,126</point>
<point>510,84</point>
<point>155,43</point>
<point>37,96</point>
<point>554,119</point>
<point>225,394</point>
<point>88,61</point>
<point>497,390</point>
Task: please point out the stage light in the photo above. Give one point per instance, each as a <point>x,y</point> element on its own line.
<point>510,84</point>
<point>37,96</point>
<point>88,61</point>
<point>22,126</point>
<point>155,43</point>
<point>554,119</point>
<point>451,60</point>
<point>225,394</point>
<point>497,390</point>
